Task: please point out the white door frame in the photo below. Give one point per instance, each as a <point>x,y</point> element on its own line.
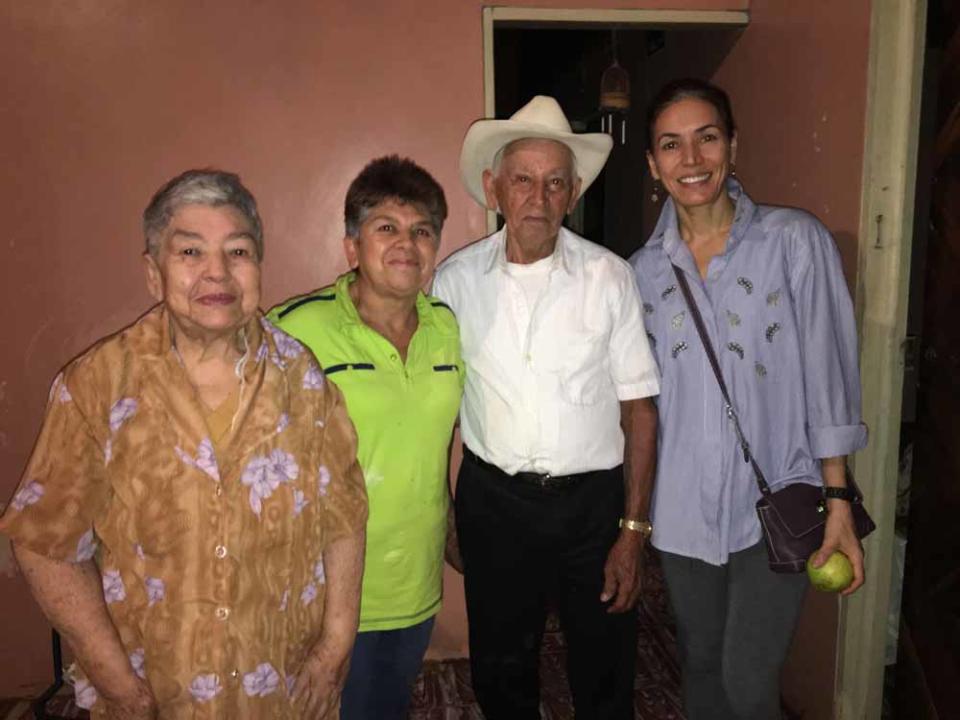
<point>897,38</point>
<point>897,44</point>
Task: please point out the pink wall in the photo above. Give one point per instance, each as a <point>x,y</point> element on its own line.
<point>797,79</point>
<point>103,102</point>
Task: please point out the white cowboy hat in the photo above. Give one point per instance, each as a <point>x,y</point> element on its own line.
<point>542,117</point>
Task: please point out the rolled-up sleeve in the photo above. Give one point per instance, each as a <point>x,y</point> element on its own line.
<point>64,488</point>
<point>632,365</point>
<point>341,478</point>
<point>828,342</point>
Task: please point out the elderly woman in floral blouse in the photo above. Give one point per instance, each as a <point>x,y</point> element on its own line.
<point>192,518</point>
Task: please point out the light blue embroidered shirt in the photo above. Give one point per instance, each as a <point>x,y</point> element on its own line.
<point>778,312</point>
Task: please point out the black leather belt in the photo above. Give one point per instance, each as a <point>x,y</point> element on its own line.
<point>528,478</point>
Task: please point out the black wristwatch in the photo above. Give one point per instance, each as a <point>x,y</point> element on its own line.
<point>839,493</point>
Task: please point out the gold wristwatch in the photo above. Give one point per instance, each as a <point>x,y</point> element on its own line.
<point>644,527</point>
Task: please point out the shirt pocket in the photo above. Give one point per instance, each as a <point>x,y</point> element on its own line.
<point>583,370</point>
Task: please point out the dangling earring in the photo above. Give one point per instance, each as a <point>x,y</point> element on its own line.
<point>655,195</point>
<point>733,169</point>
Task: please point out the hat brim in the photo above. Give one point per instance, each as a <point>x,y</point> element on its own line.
<point>485,138</point>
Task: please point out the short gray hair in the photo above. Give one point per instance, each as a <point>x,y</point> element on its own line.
<point>210,187</point>
<point>511,146</point>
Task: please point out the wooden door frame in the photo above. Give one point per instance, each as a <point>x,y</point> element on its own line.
<point>897,40</point>
<point>897,43</point>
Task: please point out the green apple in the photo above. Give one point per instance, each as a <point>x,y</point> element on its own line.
<point>834,575</point>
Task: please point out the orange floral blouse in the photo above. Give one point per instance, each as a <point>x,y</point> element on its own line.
<point>211,555</point>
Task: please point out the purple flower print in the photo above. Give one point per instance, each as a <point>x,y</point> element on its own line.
<point>85,693</point>
<point>299,502</point>
<point>113,589</point>
<point>258,476</point>
<point>205,687</point>
<point>319,572</point>
<point>309,594</point>
<point>323,479</point>
<point>136,662</point>
<point>287,346</point>
<point>86,546</point>
<point>64,395</point>
<point>283,422</point>
<point>262,681</point>
<point>27,495</point>
<point>283,466</point>
<point>121,411</point>
<point>156,590</point>
<point>205,461</point>
<point>283,600</point>
<point>313,378</point>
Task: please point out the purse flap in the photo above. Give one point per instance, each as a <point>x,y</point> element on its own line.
<point>798,506</point>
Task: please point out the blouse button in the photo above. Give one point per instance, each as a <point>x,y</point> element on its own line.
<point>220,551</point>
<point>222,613</point>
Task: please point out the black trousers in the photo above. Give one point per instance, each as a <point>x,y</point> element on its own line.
<point>522,547</point>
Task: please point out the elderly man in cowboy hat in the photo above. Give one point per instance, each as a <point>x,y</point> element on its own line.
<point>557,422</point>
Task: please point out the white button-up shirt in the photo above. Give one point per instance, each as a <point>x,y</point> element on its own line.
<point>544,383</point>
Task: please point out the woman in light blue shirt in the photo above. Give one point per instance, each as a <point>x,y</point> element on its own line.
<point>769,284</point>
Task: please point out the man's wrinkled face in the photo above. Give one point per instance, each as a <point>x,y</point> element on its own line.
<point>534,188</point>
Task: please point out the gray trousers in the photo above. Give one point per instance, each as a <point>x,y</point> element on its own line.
<point>734,626</point>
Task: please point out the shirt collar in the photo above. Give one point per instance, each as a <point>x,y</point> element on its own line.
<point>667,231</point>
<point>351,318</point>
<point>561,252</point>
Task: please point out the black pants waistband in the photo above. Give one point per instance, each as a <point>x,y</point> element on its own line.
<point>544,480</point>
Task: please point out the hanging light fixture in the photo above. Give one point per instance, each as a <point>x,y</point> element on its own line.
<point>614,97</point>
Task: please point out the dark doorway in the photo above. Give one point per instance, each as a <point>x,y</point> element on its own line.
<point>923,679</point>
<point>567,63</point>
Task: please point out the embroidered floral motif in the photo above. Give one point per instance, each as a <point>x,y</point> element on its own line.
<point>736,348</point>
<point>156,590</point>
<point>113,589</point>
<point>745,284</point>
<point>733,318</point>
<point>262,681</point>
<point>677,320</point>
<point>761,370</point>
<point>287,346</point>
<point>122,410</point>
<point>85,693</point>
<point>668,292</point>
<point>136,662</point>
<point>86,546</point>
<point>771,331</point>
<point>27,495</point>
<point>205,687</point>
<point>773,299</point>
<point>678,348</point>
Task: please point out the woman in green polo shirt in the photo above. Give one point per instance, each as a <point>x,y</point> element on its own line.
<point>395,354</point>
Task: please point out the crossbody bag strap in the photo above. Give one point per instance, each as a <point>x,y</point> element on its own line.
<point>715,364</point>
